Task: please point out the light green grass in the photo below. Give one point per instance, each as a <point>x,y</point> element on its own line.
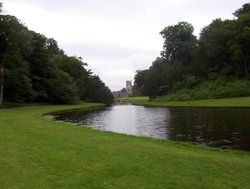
<point>40,153</point>
<point>132,99</point>
<point>240,102</point>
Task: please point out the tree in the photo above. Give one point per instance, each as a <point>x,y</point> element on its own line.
<point>152,78</point>
<point>240,46</point>
<point>1,72</point>
<point>64,90</point>
<point>75,68</point>
<point>179,42</point>
<point>245,9</point>
<point>97,91</point>
<point>214,48</point>
<point>123,90</point>
<point>139,80</point>
<point>34,69</point>
<point>18,86</point>
<point>15,46</point>
<point>222,51</point>
<point>53,48</point>
<point>151,84</point>
<point>43,72</point>
<point>140,77</point>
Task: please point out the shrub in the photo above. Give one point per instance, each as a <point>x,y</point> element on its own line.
<point>221,88</point>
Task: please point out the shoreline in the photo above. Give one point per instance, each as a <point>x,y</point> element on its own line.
<point>238,102</point>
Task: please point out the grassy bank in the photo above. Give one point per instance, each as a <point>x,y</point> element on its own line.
<point>209,89</point>
<point>40,153</point>
<point>240,102</point>
<point>132,99</point>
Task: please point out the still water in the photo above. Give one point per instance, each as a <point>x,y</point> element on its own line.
<point>218,127</point>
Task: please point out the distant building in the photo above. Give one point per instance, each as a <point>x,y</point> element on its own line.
<point>129,88</point>
<point>120,94</point>
<point>124,93</point>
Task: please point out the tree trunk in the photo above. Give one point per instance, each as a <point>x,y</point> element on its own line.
<point>2,76</point>
<point>246,68</point>
<point>1,84</point>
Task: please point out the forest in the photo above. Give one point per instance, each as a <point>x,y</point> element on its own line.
<point>215,65</point>
<point>33,69</point>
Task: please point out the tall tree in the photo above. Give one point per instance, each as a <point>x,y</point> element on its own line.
<point>214,47</point>
<point>1,66</point>
<point>75,68</point>
<point>64,89</point>
<point>139,80</point>
<point>240,46</point>
<point>15,46</point>
<point>245,9</point>
<point>34,69</point>
<point>97,90</point>
<point>53,48</point>
<point>152,79</point>
<point>179,42</point>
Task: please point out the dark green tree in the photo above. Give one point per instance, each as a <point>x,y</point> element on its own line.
<point>75,68</point>
<point>64,90</point>
<point>214,48</point>
<point>240,46</point>
<point>53,48</point>
<point>43,72</point>
<point>152,78</point>
<point>139,80</point>
<point>140,77</point>
<point>244,10</point>
<point>97,91</point>
<point>151,84</point>
<point>222,53</point>
<point>123,90</point>
<point>51,82</point>
<point>179,43</point>
<point>34,69</point>
<point>15,47</point>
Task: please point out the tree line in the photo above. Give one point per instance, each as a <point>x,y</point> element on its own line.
<point>220,55</point>
<point>34,69</point>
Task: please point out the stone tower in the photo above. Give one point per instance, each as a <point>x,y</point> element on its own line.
<point>129,87</point>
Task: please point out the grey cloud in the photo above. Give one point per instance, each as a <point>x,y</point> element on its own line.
<point>100,50</point>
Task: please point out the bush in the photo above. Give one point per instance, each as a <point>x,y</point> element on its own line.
<point>201,94</point>
<point>220,88</point>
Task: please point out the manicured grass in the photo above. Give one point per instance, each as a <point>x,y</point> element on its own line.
<point>240,102</point>
<point>40,153</point>
<point>132,99</point>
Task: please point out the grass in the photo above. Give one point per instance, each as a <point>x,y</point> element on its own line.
<point>40,153</point>
<point>132,99</point>
<point>240,102</point>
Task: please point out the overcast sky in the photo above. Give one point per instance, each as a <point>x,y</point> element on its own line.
<point>115,37</point>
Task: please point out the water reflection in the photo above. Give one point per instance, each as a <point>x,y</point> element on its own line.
<point>220,127</point>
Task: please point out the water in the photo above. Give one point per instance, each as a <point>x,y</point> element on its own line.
<point>218,127</point>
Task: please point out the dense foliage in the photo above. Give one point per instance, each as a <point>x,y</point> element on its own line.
<point>34,69</point>
<point>214,66</point>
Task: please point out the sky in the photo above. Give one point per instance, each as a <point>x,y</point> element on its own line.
<point>115,37</point>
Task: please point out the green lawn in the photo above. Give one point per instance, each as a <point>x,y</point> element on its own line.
<point>132,99</point>
<point>239,102</point>
<point>39,153</point>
